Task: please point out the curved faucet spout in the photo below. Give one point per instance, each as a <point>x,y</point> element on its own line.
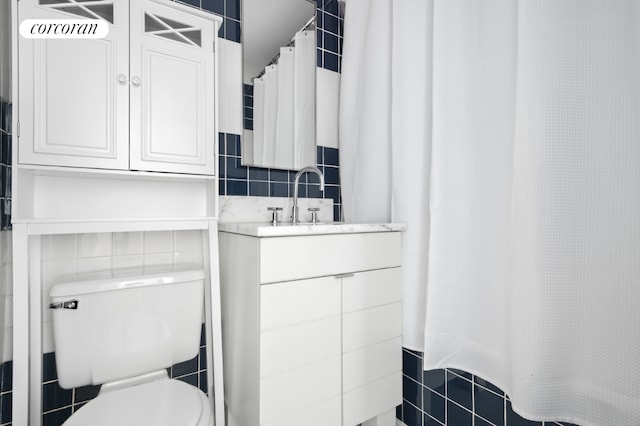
<point>295,217</point>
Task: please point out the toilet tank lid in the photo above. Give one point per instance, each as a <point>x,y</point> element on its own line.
<point>124,278</point>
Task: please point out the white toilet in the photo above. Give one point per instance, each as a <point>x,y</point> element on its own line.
<point>122,330</point>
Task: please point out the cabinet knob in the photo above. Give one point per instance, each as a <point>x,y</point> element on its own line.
<point>135,80</point>
<point>122,79</point>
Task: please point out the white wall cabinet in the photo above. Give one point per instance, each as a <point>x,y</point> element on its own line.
<point>311,328</point>
<point>142,98</point>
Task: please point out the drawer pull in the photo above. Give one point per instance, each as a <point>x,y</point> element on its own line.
<point>340,276</point>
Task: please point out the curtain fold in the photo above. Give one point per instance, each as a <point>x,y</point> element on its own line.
<point>284,146</point>
<point>365,97</point>
<point>270,114</point>
<point>506,134</point>
<point>305,100</point>
<point>258,120</point>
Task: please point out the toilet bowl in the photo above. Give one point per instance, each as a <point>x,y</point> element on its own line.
<point>122,329</point>
<point>162,403</point>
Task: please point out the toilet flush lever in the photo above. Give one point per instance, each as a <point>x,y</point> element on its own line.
<point>69,304</point>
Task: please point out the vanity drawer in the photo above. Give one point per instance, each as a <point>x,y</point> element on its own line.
<point>296,257</point>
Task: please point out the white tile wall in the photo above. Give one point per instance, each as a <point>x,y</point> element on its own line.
<point>6,297</point>
<point>94,245</point>
<point>230,87</point>
<point>64,255</point>
<point>255,209</point>
<point>127,243</point>
<point>158,242</point>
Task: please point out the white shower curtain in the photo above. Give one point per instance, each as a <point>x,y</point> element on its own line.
<point>284,143</point>
<point>506,134</point>
<point>284,107</point>
<point>304,153</point>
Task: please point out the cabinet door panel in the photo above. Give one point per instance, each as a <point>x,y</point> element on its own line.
<point>371,363</point>
<point>295,302</point>
<point>172,92</point>
<point>285,349</point>
<point>72,109</point>
<point>299,389</point>
<point>372,399</point>
<point>363,328</point>
<point>327,413</point>
<point>370,289</point>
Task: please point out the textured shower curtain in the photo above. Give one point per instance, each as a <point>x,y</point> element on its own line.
<point>284,107</point>
<point>506,134</point>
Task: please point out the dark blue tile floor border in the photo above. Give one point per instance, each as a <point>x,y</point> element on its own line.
<point>452,397</point>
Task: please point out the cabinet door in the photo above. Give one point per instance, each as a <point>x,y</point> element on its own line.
<point>300,351</point>
<point>371,344</point>
<point>172,90</point>
<point>73,111</point>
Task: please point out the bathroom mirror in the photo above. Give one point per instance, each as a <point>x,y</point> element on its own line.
<point>279,65</point>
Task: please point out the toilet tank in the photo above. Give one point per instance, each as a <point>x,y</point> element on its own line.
<point>118,324</point>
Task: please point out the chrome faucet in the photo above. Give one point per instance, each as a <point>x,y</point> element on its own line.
<point>295,217</point>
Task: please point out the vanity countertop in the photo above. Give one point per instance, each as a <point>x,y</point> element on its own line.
<point>287,229</point>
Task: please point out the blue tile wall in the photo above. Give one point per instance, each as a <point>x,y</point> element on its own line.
<point>229,10</point>
<point>247,103</point>
<point>236,179</point>
<point>6,385</point>
<point>5,165</point>
<point>453,398</point>
<point>58,404</point>
<point>329,34</point>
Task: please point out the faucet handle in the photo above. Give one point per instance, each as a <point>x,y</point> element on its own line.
<point>314,214</point>
<point>274,214</point>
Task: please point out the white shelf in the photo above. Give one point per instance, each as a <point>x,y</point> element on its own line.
<point>37,170</point>
<point>54,194</point>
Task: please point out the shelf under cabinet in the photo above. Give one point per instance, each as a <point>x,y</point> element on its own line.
<point>65,194</point>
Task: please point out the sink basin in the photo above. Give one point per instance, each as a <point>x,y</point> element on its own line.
<point>306,228</point>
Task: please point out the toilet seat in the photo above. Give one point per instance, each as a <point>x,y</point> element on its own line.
<point>162,403</point>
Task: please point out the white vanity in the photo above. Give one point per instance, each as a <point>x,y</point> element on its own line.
<point>311,323</point>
